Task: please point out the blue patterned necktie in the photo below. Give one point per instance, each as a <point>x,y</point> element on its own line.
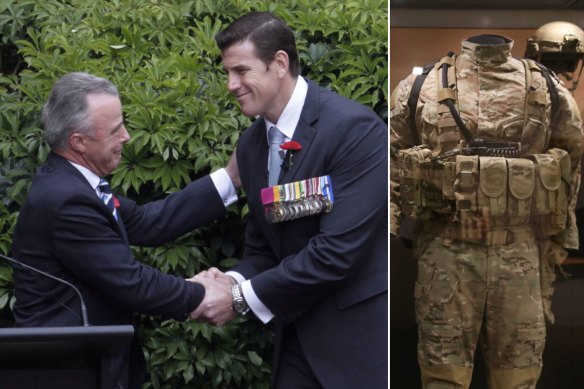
<point>107,196</point>
<point>276,137</point>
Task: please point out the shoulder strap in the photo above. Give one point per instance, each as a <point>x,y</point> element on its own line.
<point>413,100</point>
<point>551,87</point>
<point>553,91</point>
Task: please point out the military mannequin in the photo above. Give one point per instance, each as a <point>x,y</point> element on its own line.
<point>559,46</point>
<point>488,167</point>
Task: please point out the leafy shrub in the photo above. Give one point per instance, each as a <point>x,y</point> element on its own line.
<point>162,56</point>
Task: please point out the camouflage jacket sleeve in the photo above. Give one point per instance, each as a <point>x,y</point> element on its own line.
<point>568,136</point>
<point>400,138</point>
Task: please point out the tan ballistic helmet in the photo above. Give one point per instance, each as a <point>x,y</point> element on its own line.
<point>559,46</point>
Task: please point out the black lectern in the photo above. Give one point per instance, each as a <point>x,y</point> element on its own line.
<point>58,357</point>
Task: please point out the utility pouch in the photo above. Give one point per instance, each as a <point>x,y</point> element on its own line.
<point>521,181</point>
<point>492,197</point>
<point>448,178</point>
<point>432,174</point>
<point>550,203</point>
<point>535,136</point>
<point>410,175</point>
<point>466,187</point>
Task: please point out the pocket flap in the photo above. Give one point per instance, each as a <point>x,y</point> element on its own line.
<point>565,164</point>
<point>493,175</point>
<point>549,171</point>
<point>521,177</point>
<point>530,334</point>
<point>447,330</point>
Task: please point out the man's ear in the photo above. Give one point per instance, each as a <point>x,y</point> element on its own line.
<point>77,142</point>
<point>281,61</point>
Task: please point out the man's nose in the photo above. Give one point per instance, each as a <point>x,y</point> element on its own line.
<point>125,135</point>
<point>233,83</point>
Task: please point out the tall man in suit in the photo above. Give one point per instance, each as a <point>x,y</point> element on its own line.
<point>322,278</point>
<point>66,229</point>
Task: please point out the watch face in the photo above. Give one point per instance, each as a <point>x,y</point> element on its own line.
<point>240,307</point>
<point>239,304</point>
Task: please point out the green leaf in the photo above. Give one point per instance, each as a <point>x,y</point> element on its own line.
<point>254,358</point>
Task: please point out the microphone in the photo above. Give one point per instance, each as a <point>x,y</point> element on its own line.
<point>83,307</point>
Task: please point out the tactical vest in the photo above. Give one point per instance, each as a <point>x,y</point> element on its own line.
<point>487,196</point>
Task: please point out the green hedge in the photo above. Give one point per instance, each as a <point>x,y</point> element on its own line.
<point>162,56</point>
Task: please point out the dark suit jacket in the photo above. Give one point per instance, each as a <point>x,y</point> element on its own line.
<point>326,274</point>
<point>65,230</point>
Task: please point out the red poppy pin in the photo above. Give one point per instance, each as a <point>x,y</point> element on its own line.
<point>116,202</point>
<point>289,147</point>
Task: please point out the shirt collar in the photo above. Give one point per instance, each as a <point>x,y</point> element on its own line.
<point>90,176</point>
<point>488,53</point>
<point>291,115</point>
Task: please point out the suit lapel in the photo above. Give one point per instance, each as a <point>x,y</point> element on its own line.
<point>55,161</point>
<point>304,133</point>
<point>257,149</point>
<point>259,163</point>
<point>122,228</point>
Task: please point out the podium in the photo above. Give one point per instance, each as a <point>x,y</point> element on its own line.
<point>58,357</point>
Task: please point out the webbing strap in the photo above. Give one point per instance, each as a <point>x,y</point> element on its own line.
<point>528,84</point>
<point>450,232</point>
<point>447,95</point>
<point>555,99</point>
<point>413,101</point>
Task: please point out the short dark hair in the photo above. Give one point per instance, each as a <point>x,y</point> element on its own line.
<point>267,32</point>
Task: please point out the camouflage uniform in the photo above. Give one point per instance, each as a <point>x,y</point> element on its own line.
<point>486,285</point>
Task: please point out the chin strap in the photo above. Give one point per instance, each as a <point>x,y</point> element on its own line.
<point>570,77</point>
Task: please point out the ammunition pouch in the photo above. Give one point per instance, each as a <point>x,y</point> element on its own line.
<point>487,197</point>
<point>551,194</point>
<point>521,176</point>
<point>423,184</point>
<point>492,196</point>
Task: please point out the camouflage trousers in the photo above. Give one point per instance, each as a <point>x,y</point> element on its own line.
<point>469,295</point>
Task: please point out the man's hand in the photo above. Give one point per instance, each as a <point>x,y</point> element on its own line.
<point>233,170</point>
<point>216,305</point>
<point>217,275</point>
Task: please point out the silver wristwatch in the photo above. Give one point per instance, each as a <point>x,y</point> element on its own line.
<point>239,304</point>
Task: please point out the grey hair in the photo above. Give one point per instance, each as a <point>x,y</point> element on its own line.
<point>66,112</point>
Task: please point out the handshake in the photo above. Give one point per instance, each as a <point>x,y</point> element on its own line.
<point>217,305</point>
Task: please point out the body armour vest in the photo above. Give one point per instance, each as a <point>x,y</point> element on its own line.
<point>498,99</point>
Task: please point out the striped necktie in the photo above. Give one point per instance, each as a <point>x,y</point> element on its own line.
<point>276,137</point>
<point>107,196</point>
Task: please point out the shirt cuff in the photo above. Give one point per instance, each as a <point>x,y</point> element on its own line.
<point>258,308</point>
<point>252,300</point>
<point>224,187</point>
<point>238,277</point>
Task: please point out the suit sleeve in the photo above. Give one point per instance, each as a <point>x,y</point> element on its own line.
<point>356,160</point>
<point>88,246</point>
<point>157,222</point>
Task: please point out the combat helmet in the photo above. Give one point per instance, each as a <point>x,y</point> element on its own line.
<point>560,47</point>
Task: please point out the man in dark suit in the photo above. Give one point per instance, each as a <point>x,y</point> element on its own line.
<point>322,278</point>
<point>72,227</point>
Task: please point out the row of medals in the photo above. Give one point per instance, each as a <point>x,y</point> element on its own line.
<point>285,211</point>
<point>301,198</point>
